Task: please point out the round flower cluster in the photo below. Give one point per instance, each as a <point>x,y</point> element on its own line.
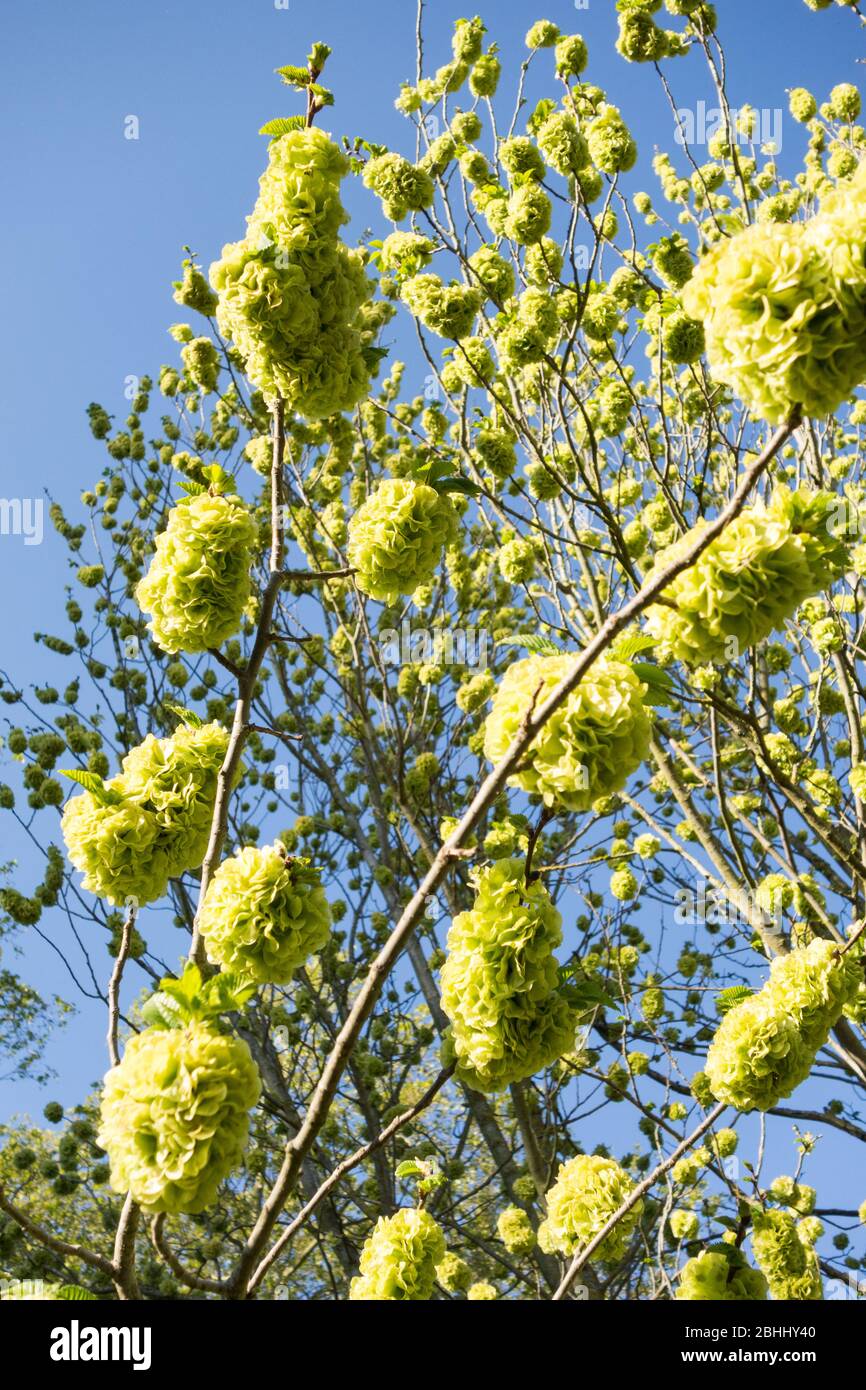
<point>198,583</point>
<point>291,295</point>
<point>721,1275</point>
<point>175,1115</point>
<point>562,144</point>
<point>684,1224</point>
<point>448,310</point>
<point>784,308</point>
<point>592,743</point>
<point>153,820</point>
<point>749,579</point>
<point>396,538</point>
<point>453,1273</point>
<point>500,985</point>
<point>588,1191</point>
<point>766,1045</point>
<point>402,186</point>
<point>264,914</point>
<point>790,1267</point>
<point>611,147</point>
<point>515,1231</point>
<point>493,273</point>
<point>399,1259</point>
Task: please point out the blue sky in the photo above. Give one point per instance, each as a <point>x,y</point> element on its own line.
<point>95,223</point>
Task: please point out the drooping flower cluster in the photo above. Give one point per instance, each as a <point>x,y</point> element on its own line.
<point>592,743</point>
<point>749,579</point>
<point>264,914</point>
<point>588,1191</point>
<point>198,583</point>
<point>515,1231</point>
<point>399,1259</point>
<point>152,822</point>
<point>397,537</point>
<point>790,1266</point>
<point>500,985</point>
<point>291,295</point>
<point>721,1275</point>
<point>784,308</point>
<point>766,1045</point>
<point>175,1115</point>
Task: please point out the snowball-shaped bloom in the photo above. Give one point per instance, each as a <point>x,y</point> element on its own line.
<point>176,779</point>
<point>494,273</point>
<point>402,186</point>
<point>515,1231</point>
<point>154,821</point>
<point>399,1259</point>
<point>500,982</point>
<point>291,295</point>
<point>562,144</point>
<point>264,914</point>
<point>684,1224</point>
<point>115,847</point>
<point>175,1114</point>
<point>396,538</point>
<point>766,1045</point>
<point>590,745</point>
<point>406,252</point>
<point>529,214</point>
<point>453,1273</point>
<point>482,1292</point>
<point>611,147</point>
<point>588,1191</point>
<point>198,583</point>
<point>722,1277</point>
<point>749,579</point>
<point>789,1266</point>
<point>775,331</point>
<point>449,310</point>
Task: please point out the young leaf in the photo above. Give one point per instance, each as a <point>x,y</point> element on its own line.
<point>407,1169</point>
<point>281,125</point>
<point>660,686</point>
<point>461,485</point>
<point>294,76</point>
<point>161,1011</point>
<point>630,645</point>
<point>533,642</point>
<point>730,998</point>
<point>189,717</point>
<point>109,796</point>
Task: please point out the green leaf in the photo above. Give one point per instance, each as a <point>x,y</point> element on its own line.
<point>464,486</point>
<point>407,1169</point>
<point>191,488</point>
<point>730,998</point>
<point>660,685</point>
<point>324,97</point>
<point>73,1293</point>
<point>108,796</point>
<point>294,76</point>
<point>630,645</point>
<point>161,1011</point>
<point>533,642</point>
<point>189,716</point>
<point>281,125</point>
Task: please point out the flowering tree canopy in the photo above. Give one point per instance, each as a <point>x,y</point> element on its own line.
<point>467,819</point>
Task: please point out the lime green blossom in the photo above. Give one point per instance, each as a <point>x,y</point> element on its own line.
<point>397,536</point>
<point>399,1259</point>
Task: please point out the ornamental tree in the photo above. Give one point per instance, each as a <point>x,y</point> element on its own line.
<point>468,841</point>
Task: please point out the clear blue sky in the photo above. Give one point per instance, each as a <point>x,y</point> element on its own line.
<point>94,223</point>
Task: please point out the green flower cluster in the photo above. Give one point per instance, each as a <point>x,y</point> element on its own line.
<point>721,1275</point>
<point>500,982</point>
<point>399,1259</point>
<point>449,310</point>
<point>264,914</point>
<point>784,308</point>
<point>198,583</point>
<point>593,742</point>
<point>152,821</point>
<point>766,1045</point>
<point>175,1115</point>
<point>749,579</point>
<point>515,1231</point>
<point>588,1191</point>
<point>396,538</point>
<point>790,1267</point>
<point>291,295</point>
<point>402,186</point>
